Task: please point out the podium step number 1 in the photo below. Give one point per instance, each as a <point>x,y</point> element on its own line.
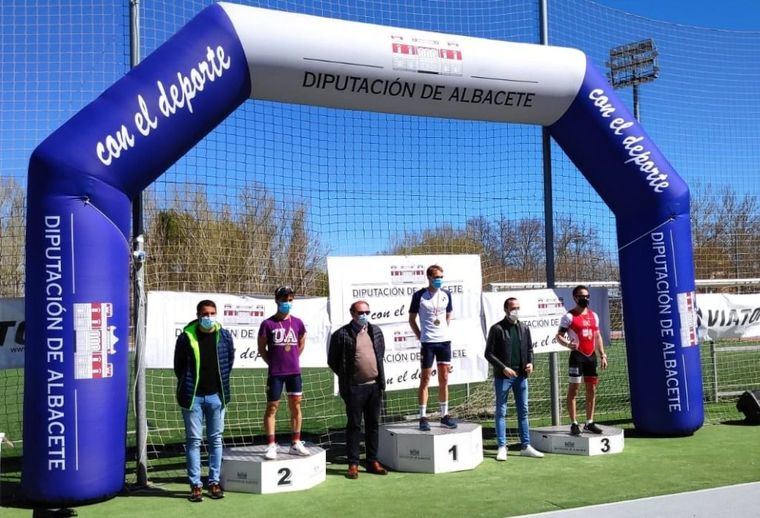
<point>403,447</point>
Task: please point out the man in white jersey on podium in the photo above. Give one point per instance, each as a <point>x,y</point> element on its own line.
<point>433,306</point>
<point>579,332</point>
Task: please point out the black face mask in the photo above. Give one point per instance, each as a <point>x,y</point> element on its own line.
<point>583,302</point>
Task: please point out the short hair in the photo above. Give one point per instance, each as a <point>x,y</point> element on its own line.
<point>203,304</point>
<point>432,267</point>
<point>352,308</point>
<point>506,302</point>
<point>283,291</point>
<point>579,288</point>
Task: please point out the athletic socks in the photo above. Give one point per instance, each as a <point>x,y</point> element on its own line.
<point>270,439</point>
<point>423,411</point>
<point>444,408</point>
<point>296,436</point>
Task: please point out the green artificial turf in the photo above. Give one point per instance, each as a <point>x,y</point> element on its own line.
<point>716,455</point>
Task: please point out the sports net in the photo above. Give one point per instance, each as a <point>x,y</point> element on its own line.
<point>56,58</point>
<point>281,187</point>
<point>315,182</point>
<point>700,112</point>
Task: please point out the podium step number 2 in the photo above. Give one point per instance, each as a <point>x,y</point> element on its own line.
<point>246,470</point>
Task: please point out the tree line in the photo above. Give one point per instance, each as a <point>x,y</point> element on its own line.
<point>513,250</point>
<point>249,248</point>
<point>253,243</point>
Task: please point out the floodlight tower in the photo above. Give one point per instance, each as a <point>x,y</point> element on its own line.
<point>631,65</point>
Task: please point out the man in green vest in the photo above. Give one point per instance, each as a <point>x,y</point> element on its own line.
<point>203,358</point>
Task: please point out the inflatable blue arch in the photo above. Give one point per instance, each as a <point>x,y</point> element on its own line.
<point>83,177</point>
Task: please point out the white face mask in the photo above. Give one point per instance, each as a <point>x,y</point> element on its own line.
<point>513,315</point>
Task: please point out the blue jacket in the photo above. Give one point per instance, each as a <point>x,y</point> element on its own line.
<point>187,363</point>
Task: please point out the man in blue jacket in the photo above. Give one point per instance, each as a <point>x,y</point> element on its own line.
<point>203,358</point>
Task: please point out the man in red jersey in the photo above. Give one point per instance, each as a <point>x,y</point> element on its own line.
<point>579,332</point>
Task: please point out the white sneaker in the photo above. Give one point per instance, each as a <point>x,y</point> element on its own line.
<point>530,451</point>
<point>501,454</point>
<point>298,448</point>
<point>271,452</point>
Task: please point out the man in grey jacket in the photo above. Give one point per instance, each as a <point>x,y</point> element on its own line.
<point>356,356</point>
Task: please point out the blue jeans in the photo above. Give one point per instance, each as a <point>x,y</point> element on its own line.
<point>519,386</point>
<point>211,408</point>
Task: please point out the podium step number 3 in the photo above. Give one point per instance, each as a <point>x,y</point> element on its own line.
<point>246,470</point>
<point>557,439</point>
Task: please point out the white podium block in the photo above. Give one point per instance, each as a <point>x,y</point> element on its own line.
<point>557,439</point>
<point>403,447</point>
<point>246,470</point>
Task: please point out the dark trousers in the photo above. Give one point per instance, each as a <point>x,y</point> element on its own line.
<point>364,400</point>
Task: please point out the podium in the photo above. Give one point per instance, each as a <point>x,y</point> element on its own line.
<point>246,470</point>
<point>557,439</point>
<point>403,447</point>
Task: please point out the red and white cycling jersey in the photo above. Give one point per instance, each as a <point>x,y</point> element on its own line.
<point>581,328</point>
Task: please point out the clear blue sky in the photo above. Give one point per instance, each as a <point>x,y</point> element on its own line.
<point>720,14</point>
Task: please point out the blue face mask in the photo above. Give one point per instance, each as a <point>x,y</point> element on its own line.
<point>363,320</point>
<point>437,283</point>
<point>207,322</point>
<point>284,307</point>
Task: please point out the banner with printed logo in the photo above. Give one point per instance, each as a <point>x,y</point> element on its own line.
<point>728,317</point>
<point>542,309</point>
<point>12,333</point>
<point>387,283</point>
<point>169,312</point>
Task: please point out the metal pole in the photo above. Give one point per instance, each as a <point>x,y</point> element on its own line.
<point>549,225</point>
<point>636,112</point>
<point>714,358</point>
<point>138,253</point>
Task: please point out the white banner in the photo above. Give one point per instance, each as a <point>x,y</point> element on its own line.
<point>387,283</point>
<point>169,312</point>
<point>542,310</point>
<point>725,317</point>
<point>12,333</point>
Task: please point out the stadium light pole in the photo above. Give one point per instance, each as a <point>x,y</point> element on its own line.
<point>633,64</point>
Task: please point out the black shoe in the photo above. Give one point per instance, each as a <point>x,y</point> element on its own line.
<point>196,494</point>
<point>575,429</point>
<point>424,424</point>
<point>448,422</point>
<point>592,427</point>
<point>215,491</point>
